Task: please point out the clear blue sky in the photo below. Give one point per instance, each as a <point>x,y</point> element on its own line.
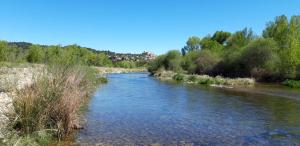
<point>133,25</point>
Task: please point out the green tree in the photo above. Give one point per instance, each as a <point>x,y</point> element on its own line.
<point>193,43</point>
<point>221,37</point>
<point>35,54</point>
<point>189,61</point>
<point>278,30</point>
<point>173,60</point>
<point>240,39</point>
<point>207,43</point>
<point>206,62</point>
<point>260,59</point>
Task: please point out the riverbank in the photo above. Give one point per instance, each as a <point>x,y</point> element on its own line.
<point>108,70</point>
<point>20,83</point>
<point>204,79</point>
<point>234,86</point>
<point>41,103</point>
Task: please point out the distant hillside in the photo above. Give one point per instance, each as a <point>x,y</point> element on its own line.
<point>115,57</point>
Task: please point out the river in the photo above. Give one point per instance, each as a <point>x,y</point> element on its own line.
<point>136,109</point>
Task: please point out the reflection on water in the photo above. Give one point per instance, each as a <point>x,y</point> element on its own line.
<point>135,109</point>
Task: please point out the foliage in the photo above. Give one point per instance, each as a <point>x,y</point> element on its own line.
<point>259,59</point>
<point>71,54</point>
<point>51,104</point>
<point>273,57</point>
<point>292,83</point>
<point>193,43</point>
<point>125,64</point>
<point>221,37</point>
<point>178,77</point>
<point>205,62</point>
<point>35,54</point>
<point>170,61</point>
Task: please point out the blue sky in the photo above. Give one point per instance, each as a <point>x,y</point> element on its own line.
<point>133,25</point>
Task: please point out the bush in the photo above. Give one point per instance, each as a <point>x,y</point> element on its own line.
<point>35,54</point>
<point>206,62</point>
<point>173,61</point>
<point>178,77</point>
<point>156,64</point>
<point>192,78</point>
<point>189,61</point>
<point>102,80</point>
<point>205,81</point>
<point>170,61</point>
<point>292,83</point>
<point>52,103</point>
<point>259,59</point>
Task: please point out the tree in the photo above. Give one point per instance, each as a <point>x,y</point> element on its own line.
<point>3,51</point>
<point>221,37</point>
<point>35,54</point>
<point>260,60</point>
<point>189,61</point>
<point>193,43</point>
<point>173,60</point>
<point>207,43</point>
<point>278,30</point>
<point>206,62</point>
<point>286,34</point>
<point>240,39</point>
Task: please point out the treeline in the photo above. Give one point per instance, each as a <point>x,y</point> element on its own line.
<point>12,52</point>
<point>274,56</point>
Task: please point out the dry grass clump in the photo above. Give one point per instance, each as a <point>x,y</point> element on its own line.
<point>52,102</point>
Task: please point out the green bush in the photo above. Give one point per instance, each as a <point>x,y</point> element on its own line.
<point>178,77</point>
<point>102,80</point>
<point>205,81</point>
<point>292,83</point>
<point>192,78</point>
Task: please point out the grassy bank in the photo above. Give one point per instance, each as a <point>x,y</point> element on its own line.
<point>48,109</point>
<point>203,79</point>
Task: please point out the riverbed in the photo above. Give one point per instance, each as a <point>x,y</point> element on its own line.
<point>136,109</point>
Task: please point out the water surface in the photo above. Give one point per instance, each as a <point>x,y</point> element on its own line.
<point>135,109</point>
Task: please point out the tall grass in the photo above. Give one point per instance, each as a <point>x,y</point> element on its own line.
<point>52,103</point>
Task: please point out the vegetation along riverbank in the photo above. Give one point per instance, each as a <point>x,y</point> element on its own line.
<point>272,57</point>
<point>44,87</point>
<point>41,102</point>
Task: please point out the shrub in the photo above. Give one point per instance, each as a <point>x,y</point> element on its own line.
<point>259,59</point>
<point>51,104</point>
<point>156,64</point>
<point>292,83</point>
<point>102,80</point>
<point>173,61</point>
<point>192,78</point>
<point>189,61</point>
<point>205,62</point>
<point>205,81</point>
<point>35,54</point>
<point>178,77</point>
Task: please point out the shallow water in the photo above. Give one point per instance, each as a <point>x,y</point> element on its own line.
<point>135,109</point>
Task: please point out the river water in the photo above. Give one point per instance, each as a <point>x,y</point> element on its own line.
<point>136,109</point>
